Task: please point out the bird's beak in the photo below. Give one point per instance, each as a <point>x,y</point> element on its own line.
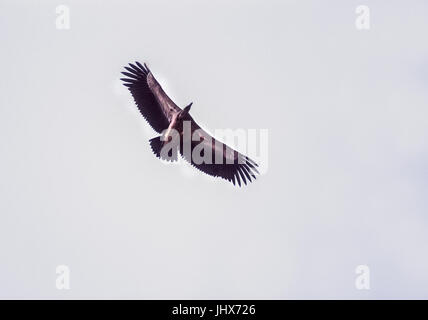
<point>185,110</point>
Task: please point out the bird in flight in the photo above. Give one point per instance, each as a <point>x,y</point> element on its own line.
<point>179,133</point>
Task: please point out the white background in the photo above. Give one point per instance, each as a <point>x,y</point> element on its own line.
<point>347,174</point>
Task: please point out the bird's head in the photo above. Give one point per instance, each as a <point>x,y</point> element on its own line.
<point>185,111</point>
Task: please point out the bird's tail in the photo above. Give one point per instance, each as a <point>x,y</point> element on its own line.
<point>156,145</point>
<point>169,153</point>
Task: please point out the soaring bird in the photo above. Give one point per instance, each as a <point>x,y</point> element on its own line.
<point>180,133</point>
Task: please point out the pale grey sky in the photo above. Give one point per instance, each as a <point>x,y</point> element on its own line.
<point>347,178</point>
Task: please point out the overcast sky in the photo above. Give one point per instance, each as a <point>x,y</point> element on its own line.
<point>346,176</point>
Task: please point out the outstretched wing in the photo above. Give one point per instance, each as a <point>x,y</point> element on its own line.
<point>225,162</point>
<point>154,104</point>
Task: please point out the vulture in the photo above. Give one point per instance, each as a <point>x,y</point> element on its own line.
<point>179,132</point>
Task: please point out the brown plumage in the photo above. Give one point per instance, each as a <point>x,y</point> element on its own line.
<point>165,116</point>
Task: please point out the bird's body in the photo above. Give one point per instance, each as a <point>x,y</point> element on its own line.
<point>179,132</point>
